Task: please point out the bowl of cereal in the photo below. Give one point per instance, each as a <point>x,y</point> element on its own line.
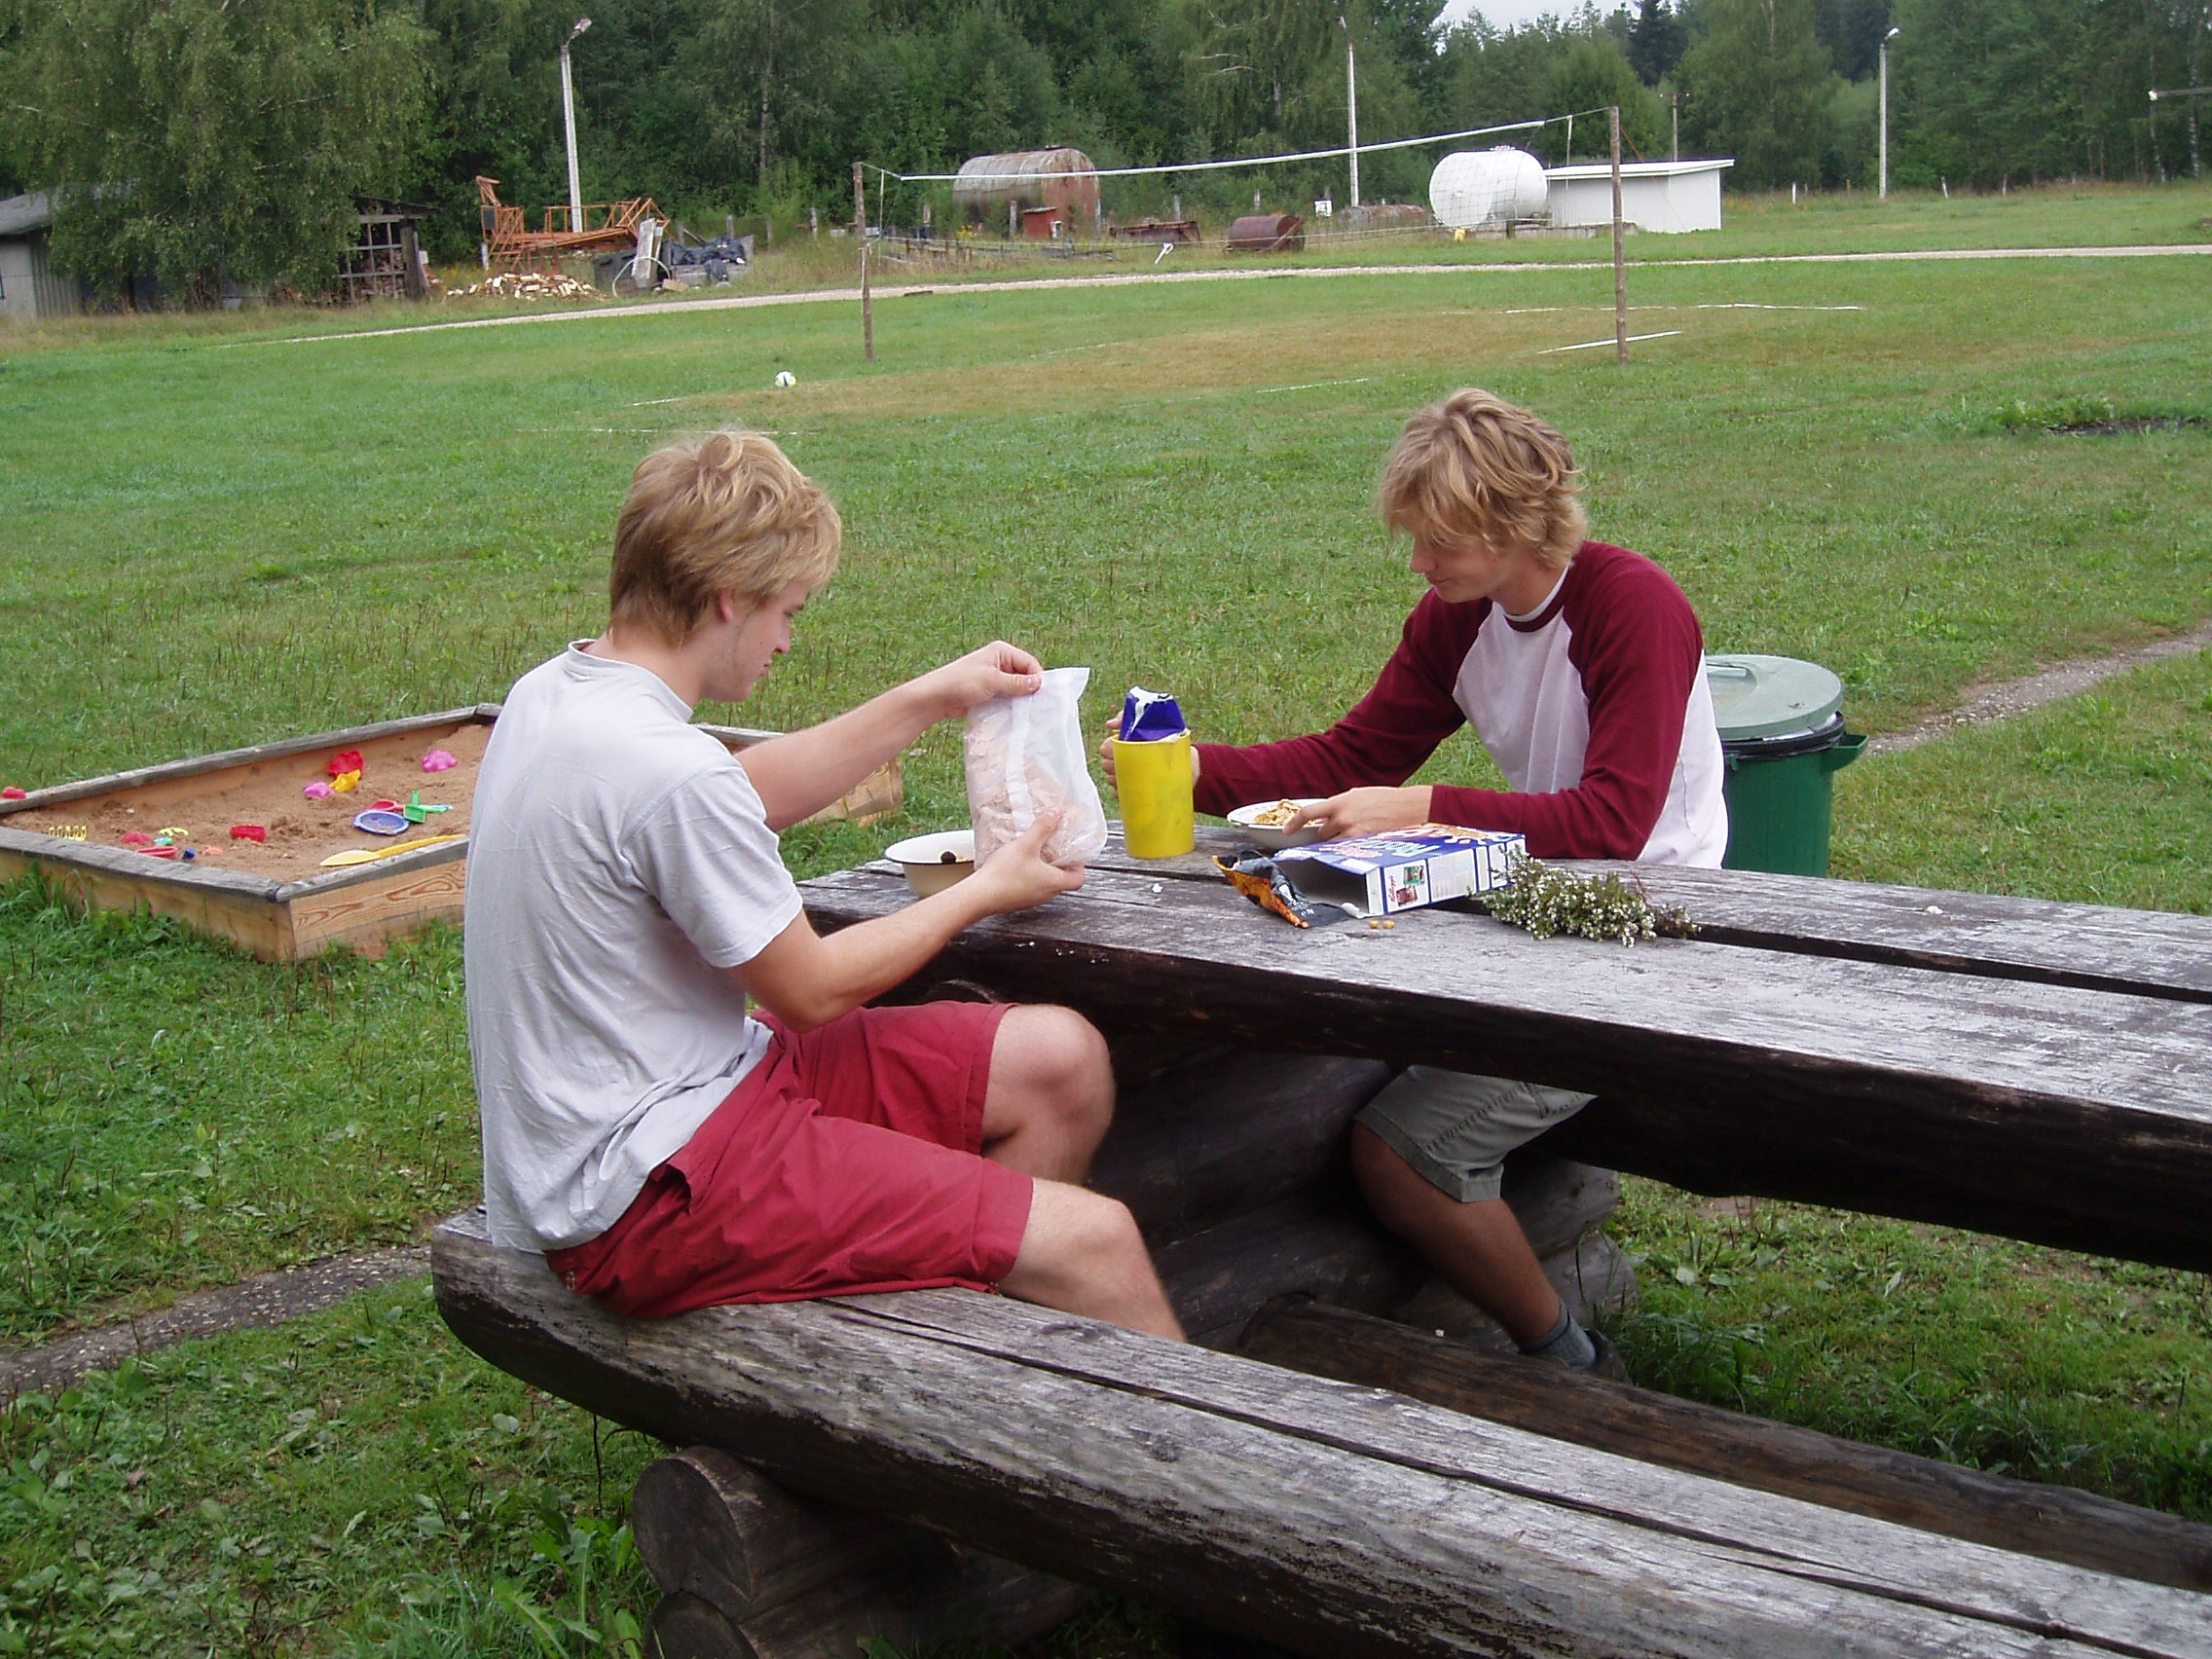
<point>1268,822</point>
<point>933,862</point>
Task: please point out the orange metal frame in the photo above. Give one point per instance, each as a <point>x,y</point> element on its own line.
<point>609,227</point>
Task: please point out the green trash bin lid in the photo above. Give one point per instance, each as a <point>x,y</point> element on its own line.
<point>1766,696</point>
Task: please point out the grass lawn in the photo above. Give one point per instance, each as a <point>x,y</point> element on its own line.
<point>218,538</point>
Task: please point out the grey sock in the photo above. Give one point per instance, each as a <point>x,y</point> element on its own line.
<point>1568,1343</point>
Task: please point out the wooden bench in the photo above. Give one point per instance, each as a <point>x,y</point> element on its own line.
<point>1346,1485</point>
<point>1330,1518</point>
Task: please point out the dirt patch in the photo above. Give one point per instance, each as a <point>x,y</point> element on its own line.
<point>266,1298</point>
<point>2010,697</point>
<point>302,832</point>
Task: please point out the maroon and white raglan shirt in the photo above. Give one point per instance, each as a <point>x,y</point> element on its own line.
<point>1595,708</point>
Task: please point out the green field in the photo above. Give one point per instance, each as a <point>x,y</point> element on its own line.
<point>218,537</point>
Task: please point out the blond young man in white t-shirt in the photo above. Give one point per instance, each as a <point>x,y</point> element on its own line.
<point>662,1147</point>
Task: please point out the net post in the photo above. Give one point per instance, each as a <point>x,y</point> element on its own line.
<point>1620,260</point>
<point>860,230</point>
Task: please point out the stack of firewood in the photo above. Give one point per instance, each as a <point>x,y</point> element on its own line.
<point>526,285</point>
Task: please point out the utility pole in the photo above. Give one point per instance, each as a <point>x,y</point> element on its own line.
<point>569,121</point>
<point>1885,118</point>
<point>1352,103</point>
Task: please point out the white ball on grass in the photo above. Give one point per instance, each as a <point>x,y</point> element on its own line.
<point>785,378</point>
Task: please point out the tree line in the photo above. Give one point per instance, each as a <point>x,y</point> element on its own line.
<point>211,140</point>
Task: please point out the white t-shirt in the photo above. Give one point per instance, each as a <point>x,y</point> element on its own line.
<point>619,861</point>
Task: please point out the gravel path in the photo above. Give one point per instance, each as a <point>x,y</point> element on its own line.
<point>2009,697</point>
<point>1124,279</point>
<point>266,1298</point>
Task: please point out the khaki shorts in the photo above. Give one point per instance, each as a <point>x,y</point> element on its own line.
<point>1456,1129</point>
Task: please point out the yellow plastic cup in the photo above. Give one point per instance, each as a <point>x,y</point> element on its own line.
<point>1154,780</point>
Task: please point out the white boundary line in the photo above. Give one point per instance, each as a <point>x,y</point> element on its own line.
<point>1127,280</point>
<point>1710,304</point>
<point>1587,345</point>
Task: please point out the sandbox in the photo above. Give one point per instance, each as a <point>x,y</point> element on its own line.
<point>274,897</point>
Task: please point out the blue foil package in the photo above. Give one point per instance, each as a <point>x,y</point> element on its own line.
<point>1147,716</point>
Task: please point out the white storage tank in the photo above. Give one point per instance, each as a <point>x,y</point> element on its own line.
<point>1472,188</point>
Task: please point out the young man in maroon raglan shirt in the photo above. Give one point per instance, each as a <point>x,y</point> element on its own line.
<point>1581,668</point>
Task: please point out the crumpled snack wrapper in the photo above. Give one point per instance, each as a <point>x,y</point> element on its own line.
<point>1255,876</point>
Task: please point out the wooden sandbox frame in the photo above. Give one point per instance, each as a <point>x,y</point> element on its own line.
<point>363,907</point>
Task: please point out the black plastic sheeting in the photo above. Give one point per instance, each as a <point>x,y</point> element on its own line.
<point>723,257</point>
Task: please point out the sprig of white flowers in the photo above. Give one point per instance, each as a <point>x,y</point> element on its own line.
<point>1546,900</point>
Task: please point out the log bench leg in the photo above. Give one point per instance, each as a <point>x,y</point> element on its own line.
<point>749,1570</point>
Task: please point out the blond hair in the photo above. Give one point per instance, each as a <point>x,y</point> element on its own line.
<point>725,513</point>
<point>1476,469</point>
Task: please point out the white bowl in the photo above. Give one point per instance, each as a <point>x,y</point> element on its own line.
<point>933,862</point>
<point>1275,840</point>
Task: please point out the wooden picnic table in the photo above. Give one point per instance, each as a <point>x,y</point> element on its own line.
<point>1350,1488</point>
<point>2037,1070</point>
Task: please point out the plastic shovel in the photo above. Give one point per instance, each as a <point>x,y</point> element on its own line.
<point>368,855</point>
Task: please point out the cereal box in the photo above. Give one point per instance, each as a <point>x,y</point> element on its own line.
<point>1401,869</point>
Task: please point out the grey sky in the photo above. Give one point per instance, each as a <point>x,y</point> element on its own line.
<point>1505,13</point>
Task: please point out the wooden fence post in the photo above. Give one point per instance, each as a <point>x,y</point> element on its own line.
<point>1620,262</point>
<point>860,230</point>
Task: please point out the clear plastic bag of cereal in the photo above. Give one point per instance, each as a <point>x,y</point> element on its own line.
<point>1026,755</point>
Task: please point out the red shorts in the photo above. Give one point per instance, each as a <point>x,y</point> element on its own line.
<point>847,1160</point>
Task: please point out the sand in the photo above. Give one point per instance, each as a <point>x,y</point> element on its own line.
<point>302,832</point>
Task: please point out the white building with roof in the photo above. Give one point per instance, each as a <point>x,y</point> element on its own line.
<point>1655,195</point>
<point>29,285</point>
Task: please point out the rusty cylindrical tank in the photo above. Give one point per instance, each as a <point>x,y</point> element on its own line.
<point>1060,178</point>
<point>1268,233</point>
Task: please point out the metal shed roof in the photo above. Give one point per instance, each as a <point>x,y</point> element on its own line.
<point>22,213</point>
<point>1641,170</point>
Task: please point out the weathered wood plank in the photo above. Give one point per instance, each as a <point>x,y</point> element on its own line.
<point>23,850</point>
<point>1335,1520</point>
<point>2094,946</point>
<point>230,908</point>
<point>2053,1523</point>
<point>2071,1118</point>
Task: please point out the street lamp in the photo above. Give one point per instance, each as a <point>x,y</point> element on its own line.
<point>1352,103</point>
<point>568,121</point>
<point>1885,143</point>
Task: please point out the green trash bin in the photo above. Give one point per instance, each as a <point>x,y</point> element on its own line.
<point>1781,737</point>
